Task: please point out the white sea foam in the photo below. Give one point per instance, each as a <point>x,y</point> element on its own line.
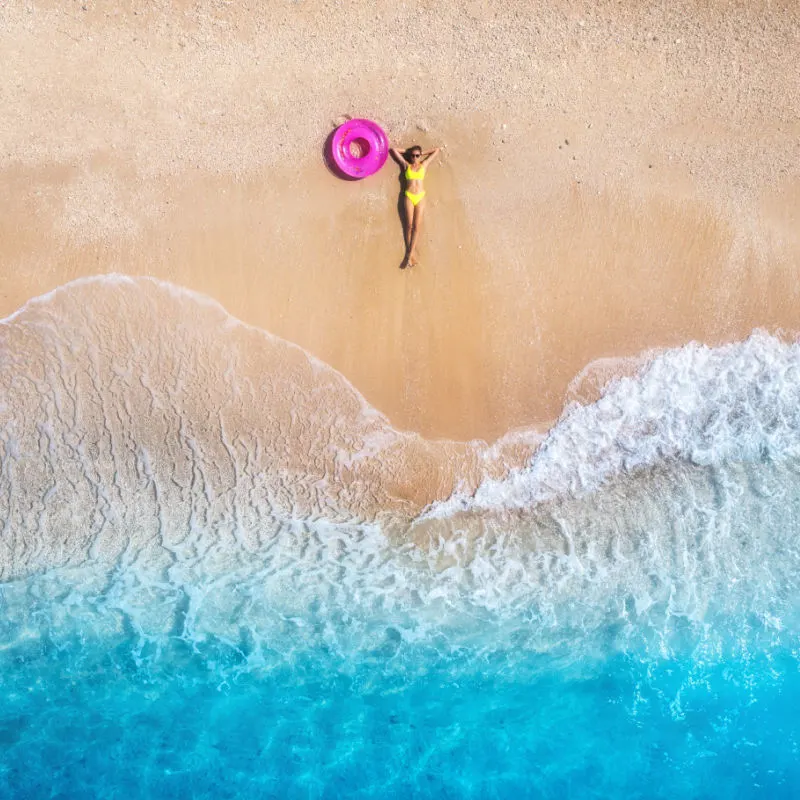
<point>700,404</point>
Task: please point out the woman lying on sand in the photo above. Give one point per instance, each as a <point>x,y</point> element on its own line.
<point>415,163</point>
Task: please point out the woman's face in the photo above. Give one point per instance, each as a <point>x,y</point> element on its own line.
<point>415,154</point>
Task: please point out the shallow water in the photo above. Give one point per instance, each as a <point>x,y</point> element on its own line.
<point>444,726</point>
<point>216,581</point>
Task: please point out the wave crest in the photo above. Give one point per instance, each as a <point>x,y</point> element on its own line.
<point>698,404</point>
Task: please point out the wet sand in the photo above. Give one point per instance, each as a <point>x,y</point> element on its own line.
<point>614,179</point>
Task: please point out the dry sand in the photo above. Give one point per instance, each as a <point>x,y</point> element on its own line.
<point>616,177</point>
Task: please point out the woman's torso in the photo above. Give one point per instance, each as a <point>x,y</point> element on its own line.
<point>414,178</point>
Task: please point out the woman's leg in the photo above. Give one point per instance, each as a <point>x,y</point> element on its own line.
<point>407,215</point>
<point>416,224</point>
<point>408,218</point>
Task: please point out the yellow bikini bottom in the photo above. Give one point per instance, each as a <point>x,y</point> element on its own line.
<point>415,198</point>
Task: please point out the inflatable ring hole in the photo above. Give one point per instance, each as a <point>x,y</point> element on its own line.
<point>359,148</point>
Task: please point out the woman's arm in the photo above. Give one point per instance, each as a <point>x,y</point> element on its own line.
<point>397,155</point>
<point>430,155</point>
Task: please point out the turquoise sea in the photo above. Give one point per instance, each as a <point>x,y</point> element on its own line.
<point>209,588</point>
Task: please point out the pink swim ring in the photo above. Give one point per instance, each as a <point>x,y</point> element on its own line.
<point>359,148</point>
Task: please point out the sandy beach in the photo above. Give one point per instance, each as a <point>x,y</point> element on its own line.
<point>615,178</point>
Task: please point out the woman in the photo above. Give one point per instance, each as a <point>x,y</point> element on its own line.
<point>415,163</point>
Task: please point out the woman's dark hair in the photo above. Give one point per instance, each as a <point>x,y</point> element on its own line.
<point>411,149</point>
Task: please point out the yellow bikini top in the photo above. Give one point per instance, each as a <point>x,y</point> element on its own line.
<point>415,175</point>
